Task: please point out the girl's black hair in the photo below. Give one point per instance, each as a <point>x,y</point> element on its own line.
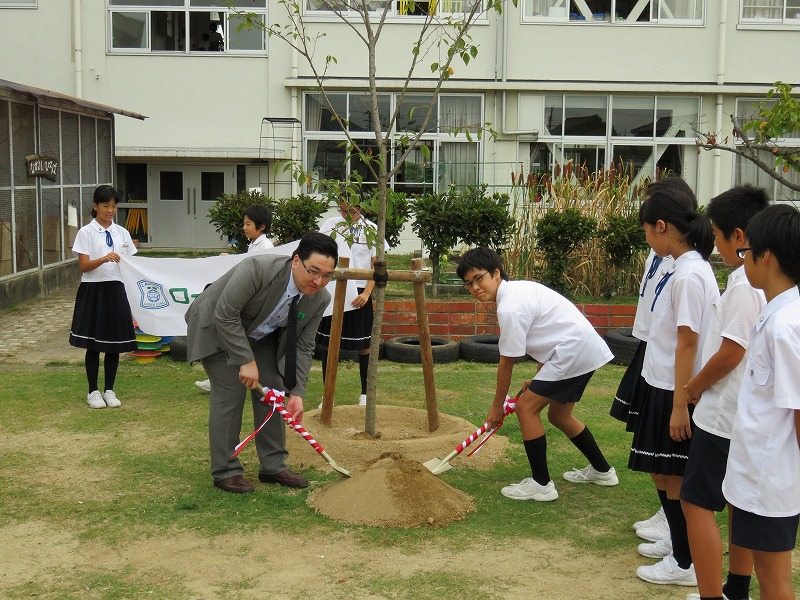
<point>259,214</point>
<point>777,229</point>
<point>676,206</point>
<point>480,258</point>
<point>103,194</point>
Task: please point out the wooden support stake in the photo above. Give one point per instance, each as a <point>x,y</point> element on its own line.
<point>425,349</point>
<point>334,343</point>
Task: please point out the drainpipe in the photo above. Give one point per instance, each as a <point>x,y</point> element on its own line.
<point>295,102</point>
<point>723,26</point>
<point>77,47</point>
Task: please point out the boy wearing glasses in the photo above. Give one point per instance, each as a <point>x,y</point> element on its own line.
<point>714,390</point>
<point>762,478</point>
<point>256,324</point>
<point>539,322</point>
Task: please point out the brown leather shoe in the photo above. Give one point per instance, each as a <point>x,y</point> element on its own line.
<point>286,478</point>
<point>235,484</point>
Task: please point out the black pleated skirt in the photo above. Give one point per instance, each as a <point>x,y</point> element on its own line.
<point>632,389</point>
<point>102,319</point>
<point>652,450</point>
<point>356,328</point>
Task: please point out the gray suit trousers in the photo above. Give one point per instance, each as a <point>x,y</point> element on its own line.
<point>227,405</point>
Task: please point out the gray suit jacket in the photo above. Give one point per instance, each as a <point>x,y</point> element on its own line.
<point>220,318</point>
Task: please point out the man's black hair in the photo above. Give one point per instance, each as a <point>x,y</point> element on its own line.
<point>777,229</point>
<point>480,258</point>
<point>260,214</point>
<point>734,209</point>
<point>314,241</point>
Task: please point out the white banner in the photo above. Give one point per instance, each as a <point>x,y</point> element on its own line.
<point>160,289</point>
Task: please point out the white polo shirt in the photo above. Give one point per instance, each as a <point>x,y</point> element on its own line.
<point>259,245</point>
<point>541,323</point>
<point>360,252</point>
<point>763,473</point>
<point>684,300</point>
<point>647,292</point>
<point>91,240</point>
<point>733,318</point>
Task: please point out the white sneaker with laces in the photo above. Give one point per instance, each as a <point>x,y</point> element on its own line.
<point>95,400</point>
<point>528,489</point>
<point>652,521</point>
<point>667,572</point>
<point>111,400</point>
<point>658,549</point>
<point>362,400</point>
<point>204,385</point>
<point>658,532</point>
<point>696,596</point>
<point>591,475</point>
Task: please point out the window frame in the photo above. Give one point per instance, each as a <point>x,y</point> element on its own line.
<point>783,20</point>
<point>395,14</point>
<point>586,17</point>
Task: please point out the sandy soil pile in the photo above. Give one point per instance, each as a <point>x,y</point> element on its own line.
<point>389,486</point>
<point>392,491</point>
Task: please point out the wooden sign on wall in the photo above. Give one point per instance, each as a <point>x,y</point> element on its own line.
<point>40,165</point>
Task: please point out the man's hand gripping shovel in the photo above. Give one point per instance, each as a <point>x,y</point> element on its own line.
<point>275,399</point>
<point>438,466</point>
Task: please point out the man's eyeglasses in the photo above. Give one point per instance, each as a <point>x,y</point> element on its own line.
<point>316,274</point>
<point>352,211</point>
<point>740,252</point>
<point>475,280</point>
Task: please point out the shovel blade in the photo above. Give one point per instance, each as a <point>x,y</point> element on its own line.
<point>437,466</point>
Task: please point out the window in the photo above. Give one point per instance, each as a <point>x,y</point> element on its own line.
<point>771,11</point>
<point>18,3</point>
<point>665,12</point>
<point>184,26</point>
<point>397,8</point>
<point>444,156</point>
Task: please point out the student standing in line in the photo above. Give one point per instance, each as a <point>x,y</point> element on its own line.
<point>539,322</point>
<point>256,223</point>
<point>762,480</point>
<point>714,390</point>
<point>102,319</point>
<point>681,317</point>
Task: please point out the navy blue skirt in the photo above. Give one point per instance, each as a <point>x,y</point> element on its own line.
<point>102,319</point>
<point>629,386</point>
<point>356,328</point>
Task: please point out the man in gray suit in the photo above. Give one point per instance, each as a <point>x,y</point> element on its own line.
<point>238,328</point>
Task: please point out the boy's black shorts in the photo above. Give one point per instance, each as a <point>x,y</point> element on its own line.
<point>764,534</point>
<point>705,470</point>
<point>564,391</point>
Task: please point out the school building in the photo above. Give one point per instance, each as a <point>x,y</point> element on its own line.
<point>594,81</point>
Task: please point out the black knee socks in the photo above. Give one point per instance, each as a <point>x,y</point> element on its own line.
<point>363,367</point>
<point>324,363</point>
<point>536,450</point>
<point>737,587</point>
<point>110,365</point>
<point>586,443</point>
<point>92,365</point>
<point>678,533</point>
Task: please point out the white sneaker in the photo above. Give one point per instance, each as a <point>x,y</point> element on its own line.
<point>652,521</point>
<point>696,596</point>
<point>658,549</point>
<point>528,489</point>
<point>320,405</point>
<point>362,400</point>
<point>95,400</point>
<point>667,572</point>
<point>204,385</point>
<point>591,475</point>
<point>655,533</point>
<point>111,400</point>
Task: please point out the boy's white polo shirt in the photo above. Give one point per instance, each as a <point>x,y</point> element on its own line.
<point>541,323</point>
<point>259,245</point>
<point>647,293</point>
<point>91,240</point>
<point>685,300</point>
<point>733,318</point>
<point>763,473</point>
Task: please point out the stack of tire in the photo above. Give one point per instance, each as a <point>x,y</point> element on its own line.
<point>483,349</point>
<point>406,349</point>
<point>622,343</point>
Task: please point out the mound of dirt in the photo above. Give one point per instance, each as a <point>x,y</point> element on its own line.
<point>392,491</point>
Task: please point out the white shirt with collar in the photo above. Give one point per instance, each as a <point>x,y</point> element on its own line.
<point>361,254</point>
<point>685,299</point>
<point>647,293</point>
<point>733,319</point>
<point>541,323</point>
<point>278,317</point>
<point>91,240</point>
<point>763,473</point>
<point>260,245</point>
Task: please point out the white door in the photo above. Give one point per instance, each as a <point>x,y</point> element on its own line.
<point>182,195</point>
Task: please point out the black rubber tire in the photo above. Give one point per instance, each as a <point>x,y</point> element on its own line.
<point>178,348</point>
<point>350,355</point>
<point>483,349</point>
<point>406,350</point>
<point>622,343</point>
